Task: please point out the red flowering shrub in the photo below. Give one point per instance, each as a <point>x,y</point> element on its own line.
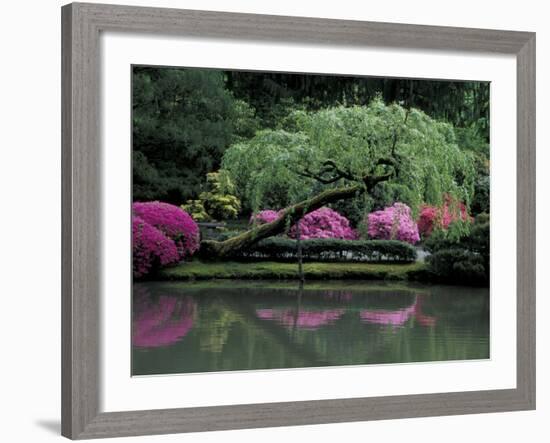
<point>173,222</point>
<point>324,223</point>
<point>150,248</point>
<point>393,223</point>
<point>432,217</point>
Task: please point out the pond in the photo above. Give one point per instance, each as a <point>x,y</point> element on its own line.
<point>239,325</point>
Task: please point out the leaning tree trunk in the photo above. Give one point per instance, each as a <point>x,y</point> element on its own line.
<point>218,249</point>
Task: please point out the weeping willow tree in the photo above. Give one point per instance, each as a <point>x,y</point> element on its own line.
<point>342,153</point>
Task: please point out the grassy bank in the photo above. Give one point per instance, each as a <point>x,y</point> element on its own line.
<point>198,270</point>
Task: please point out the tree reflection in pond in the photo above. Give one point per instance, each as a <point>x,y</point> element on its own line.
<point>241,325</point>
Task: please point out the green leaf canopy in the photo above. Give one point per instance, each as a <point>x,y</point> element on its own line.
<point>345,145</point>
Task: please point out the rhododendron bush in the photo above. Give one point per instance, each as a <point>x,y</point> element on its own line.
<point>321,223</point>
<point>393,223</point>
<point>324,223</point>
<point>162,234</point>
<point>433,217</point>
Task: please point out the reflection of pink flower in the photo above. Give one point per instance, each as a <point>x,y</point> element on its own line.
<point>161,322</point>
<point>302,319</point>
<point>395,318</point>
<point>398,317</point>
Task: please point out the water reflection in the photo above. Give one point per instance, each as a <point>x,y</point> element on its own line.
<point>398,317</point>
<point>186,327</point>
<point>160,321</point>
<point>305,319</point>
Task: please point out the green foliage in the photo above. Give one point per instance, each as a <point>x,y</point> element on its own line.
<point>217,202</point>
<point>481,202</point>
<point>274,95</point>
<point>458,266</point>
<point>183,120</point>
<point>268,170</point>
<point>335,250</point>
<point>354,209</point>
<point>245,123</point>
<point>258,169</point>
<point>476,238</point>
<point>472,139</point>
<point>462,260</point>
<point>195,208</point>
<point>266,270</point>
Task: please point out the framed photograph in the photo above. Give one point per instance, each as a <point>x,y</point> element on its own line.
<point>274,221</point>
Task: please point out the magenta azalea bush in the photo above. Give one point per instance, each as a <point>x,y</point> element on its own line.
<point>265,216</point>
<point>173,222</point>
<point>393,223</point>
<point>324,223</point>
<point>162,234</point>
<point>150,247</point>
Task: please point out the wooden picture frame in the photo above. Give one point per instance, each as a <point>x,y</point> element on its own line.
<point>81,180</point>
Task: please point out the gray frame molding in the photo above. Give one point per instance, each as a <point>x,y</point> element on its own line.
<point>81,164</point>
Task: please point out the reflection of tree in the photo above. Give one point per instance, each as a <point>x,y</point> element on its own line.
<point>235,328</point>
<point>160,321</point>
<point>398,317</point>
<point>339,296</point>
<point>218,318</point>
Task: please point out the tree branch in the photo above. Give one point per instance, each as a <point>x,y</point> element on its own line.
<point>317,177</point>
<point>328,167</point>
<point>289,216</point>
<point>343,174</point>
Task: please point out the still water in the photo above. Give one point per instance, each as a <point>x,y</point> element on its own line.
<point>237,325</point>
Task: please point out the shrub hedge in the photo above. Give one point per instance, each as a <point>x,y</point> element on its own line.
<point>336,250</point>
<point>466,261</point>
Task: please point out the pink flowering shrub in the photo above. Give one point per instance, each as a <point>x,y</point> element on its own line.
<point>432,217</point>
<point>324,223</point>
<point>150,248</point>
<point>393,223</point>
<point>264,217</point>
<point>173,222</point>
